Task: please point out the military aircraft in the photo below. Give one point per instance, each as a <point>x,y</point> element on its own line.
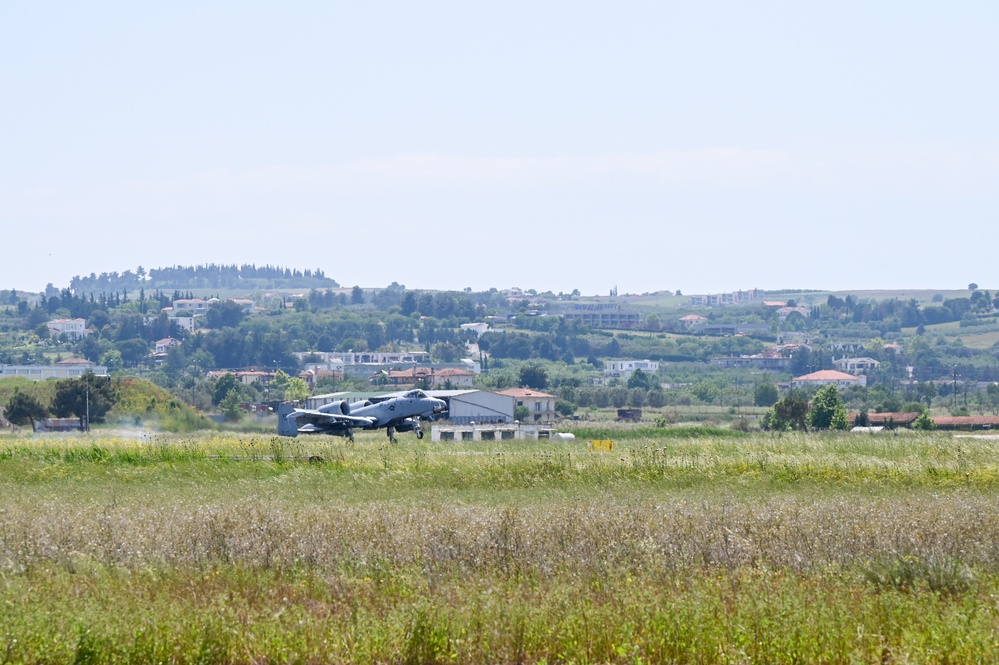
<point>399,412</point>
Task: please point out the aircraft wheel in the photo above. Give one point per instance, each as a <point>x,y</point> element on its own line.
<point>419,434</point>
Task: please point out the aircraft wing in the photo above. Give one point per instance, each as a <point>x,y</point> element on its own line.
<point>320,419</point>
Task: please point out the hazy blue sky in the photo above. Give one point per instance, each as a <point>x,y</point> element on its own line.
<point>702,146</point>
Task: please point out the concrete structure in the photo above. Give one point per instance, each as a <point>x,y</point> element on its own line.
<point>246,378</point>
<point>59,371</point>
<point>541,405</point>
<point>828,377</point>
<point>734,298</point>
<point>856,365</point>
<point>478,432</point>
<point>734,328</point>
<point>72,328</point>
<point>613,318</point>
<point>367,357</point>
<point>758,361</point>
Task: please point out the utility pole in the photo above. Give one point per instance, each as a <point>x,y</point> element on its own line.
<point>953,399</point>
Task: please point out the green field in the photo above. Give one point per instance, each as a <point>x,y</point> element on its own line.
<point>712,548</point>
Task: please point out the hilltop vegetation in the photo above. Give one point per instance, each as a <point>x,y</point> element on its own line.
<point>210,276</point>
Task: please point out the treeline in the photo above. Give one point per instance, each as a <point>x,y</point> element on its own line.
<point>893,314</point>
<point>568,340</point>
<point>210,276</point>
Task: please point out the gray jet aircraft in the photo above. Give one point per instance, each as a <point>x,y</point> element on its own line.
<point>401,412</point>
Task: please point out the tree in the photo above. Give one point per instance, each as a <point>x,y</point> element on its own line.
<point>534,376</point>
<point>656,398</point>
<point>765,394</point>
<point>296,390</point>
<point>639,379</point>
<point>89,395</point>
<point>223,385</point>
<point>972,287</point>
<point>521,413</point>
<point>827,410</point>
<point>24,408</point>
<point>789,413</point>
<point>924,422</point>
<point>357,296</point>
<point>564,407</point>
<point>226,314</point>
<point>230,405</point>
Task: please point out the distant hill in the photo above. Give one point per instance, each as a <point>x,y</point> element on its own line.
<point>209,276</point>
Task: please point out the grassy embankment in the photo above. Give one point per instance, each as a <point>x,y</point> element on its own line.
<point>708,549</point>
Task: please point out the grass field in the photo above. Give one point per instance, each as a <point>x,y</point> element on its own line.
<point>705,549</point>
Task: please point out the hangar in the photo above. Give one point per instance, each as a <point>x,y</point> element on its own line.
<point>476,406</point>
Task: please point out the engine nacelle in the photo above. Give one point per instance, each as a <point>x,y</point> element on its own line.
<point>336,407</point>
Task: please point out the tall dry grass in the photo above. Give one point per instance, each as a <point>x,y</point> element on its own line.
<point>254,549</point>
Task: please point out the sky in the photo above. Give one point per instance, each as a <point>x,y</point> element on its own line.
<point>703,146</point>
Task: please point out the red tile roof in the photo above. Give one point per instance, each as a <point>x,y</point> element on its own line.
<point>883,418</point>
<point>967,421</point>
<point>524,392</point>
<point>827,375</point>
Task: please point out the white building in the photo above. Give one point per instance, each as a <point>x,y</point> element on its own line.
<point>42,372</point>
<point>828,377</point>
<point>477,328</point>
<point>623,369</point>
<point>856,365</point>
<point>71,328</point>
<point>541,405</point>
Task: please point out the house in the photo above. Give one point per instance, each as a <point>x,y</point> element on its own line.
<point>541,405</point>
<point>248,305</point>
<point>72,328</point>
<point>315,374</point>
<point>163,345</point>
<point>856,365</point>
<point>623,369</point>
<point>408,377</point>
<point>453,377</point>
<point>784,312</point>
<point>691,321</point>
<point>193,306</point>
<point>828,377</point>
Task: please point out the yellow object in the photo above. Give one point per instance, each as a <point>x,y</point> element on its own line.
<point>601,445</point>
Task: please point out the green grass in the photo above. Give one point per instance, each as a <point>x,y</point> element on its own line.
<point>712,548</point>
